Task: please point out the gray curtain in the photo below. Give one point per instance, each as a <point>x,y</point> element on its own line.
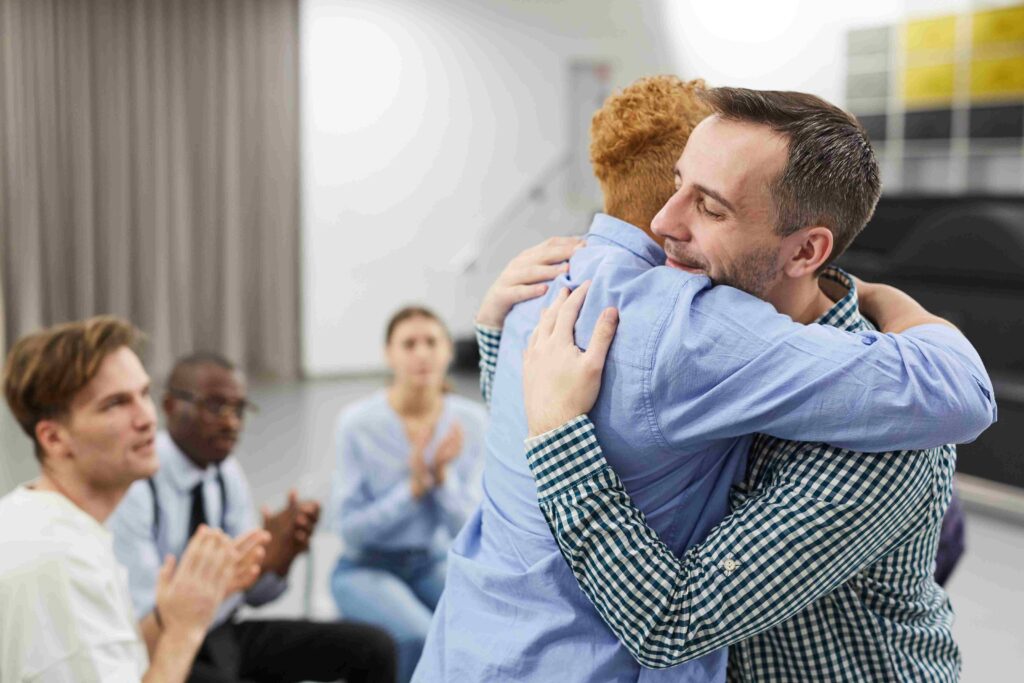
<point>149,168</point>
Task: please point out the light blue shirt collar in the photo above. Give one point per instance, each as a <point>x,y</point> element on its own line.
<point>181,472</point>
<point>627,236</point>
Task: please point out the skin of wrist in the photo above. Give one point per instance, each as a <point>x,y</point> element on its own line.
<point>543,427</point>
<point>488,321</point>
<point>183,634</point>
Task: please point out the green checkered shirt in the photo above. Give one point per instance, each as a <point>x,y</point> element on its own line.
<point>821,572</point>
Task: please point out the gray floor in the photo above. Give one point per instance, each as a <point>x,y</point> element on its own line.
<point>288,443</point>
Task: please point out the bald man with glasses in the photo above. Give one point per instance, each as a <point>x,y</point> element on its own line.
<point>200,483</point>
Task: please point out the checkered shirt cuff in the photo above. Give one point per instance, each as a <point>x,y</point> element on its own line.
<point>564,457</point>
<point>488,339</point>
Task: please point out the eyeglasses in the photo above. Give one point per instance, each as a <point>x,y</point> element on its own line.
<point>216,407</point>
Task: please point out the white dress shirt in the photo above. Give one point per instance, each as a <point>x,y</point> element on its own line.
<point>141,542</point>
<point>65,612</point>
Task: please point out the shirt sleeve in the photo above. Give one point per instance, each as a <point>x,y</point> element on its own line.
<point>488,339</point>
<point>135,547</point>
<point>726,365</point>
<point>821,521</point>
<point>361,515</point>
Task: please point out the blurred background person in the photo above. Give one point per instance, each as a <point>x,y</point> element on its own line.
<point>406,479</point>
<point>200,483</point>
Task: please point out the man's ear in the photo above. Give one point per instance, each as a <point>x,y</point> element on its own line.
<point>809,249</point>
<point>51,437</point>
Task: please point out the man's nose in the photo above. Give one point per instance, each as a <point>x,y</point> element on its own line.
<point>145,416</point>
<point>231,418</point>
<point>671,221</point>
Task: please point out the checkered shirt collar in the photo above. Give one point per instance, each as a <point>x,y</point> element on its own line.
<point>845,314</point>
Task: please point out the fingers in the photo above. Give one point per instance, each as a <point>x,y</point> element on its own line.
<point>311,509</point>
<point>533,273</point>
<point>293,499</point>
<point>166,571</point>
<point>601,339</point>
<point>553,250</point>
<point>547,319</point>
<point>207,554</point>
<point>569,311</point>
<point>520,293</point>
<point>265,514</point>
<point>256,538</point>
<point>193,550</point>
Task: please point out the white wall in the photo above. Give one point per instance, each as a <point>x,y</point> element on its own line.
<point>421,122</point>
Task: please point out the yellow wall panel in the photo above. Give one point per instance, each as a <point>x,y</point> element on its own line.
<point>997,77</point>
<point>931,34</point>
<point>928,83</point>
<point>999,26</point>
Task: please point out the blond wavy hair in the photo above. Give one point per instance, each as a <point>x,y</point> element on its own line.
<point>636,138</point>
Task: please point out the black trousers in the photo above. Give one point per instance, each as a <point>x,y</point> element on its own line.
<point>283,651</point>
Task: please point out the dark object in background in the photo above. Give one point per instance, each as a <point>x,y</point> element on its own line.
<point>934,124</point>
<point>963,259</point>
<point>951,541</point>
<point>1004,122</point>
<point>467,356</point>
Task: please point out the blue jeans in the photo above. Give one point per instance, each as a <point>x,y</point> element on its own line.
<point>396,590</point>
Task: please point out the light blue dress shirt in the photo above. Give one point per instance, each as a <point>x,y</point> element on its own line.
<point>692,372</point>
<point>372,506</point>
<point>140,543</point>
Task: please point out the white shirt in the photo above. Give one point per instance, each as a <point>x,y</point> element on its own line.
<point>65,612</point>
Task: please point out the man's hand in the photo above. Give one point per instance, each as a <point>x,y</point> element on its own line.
<point>188,595</point>
<point>251,549</point>
<point>524,276</point>
<point>447,451</point>
<point>291,529</point>
<point>561,382</point>
<point>892,310</point>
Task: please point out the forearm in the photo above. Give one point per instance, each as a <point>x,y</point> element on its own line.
<point>741,580</point>
<point>173,656</point>
<point>150,629</point>
<point>488,340</point>
<point>892,310</point>
<point>368,518</point>
<point>866,391</point>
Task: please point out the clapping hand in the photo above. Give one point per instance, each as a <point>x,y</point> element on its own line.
<point>421,478</point>
<point>189,591</point>
<point>250,548</point>
<point>291,529</point>
<point>447,451</point>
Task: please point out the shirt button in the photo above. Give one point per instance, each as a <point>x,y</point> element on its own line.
<point>868,339</point>
<point>729,565</point>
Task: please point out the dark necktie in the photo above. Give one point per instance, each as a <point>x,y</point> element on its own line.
<point>198,514</point>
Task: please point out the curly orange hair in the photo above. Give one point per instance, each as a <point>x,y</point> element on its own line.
<point>636,138</point>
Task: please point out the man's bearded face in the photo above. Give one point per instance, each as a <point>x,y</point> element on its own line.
<point>721,220</point>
